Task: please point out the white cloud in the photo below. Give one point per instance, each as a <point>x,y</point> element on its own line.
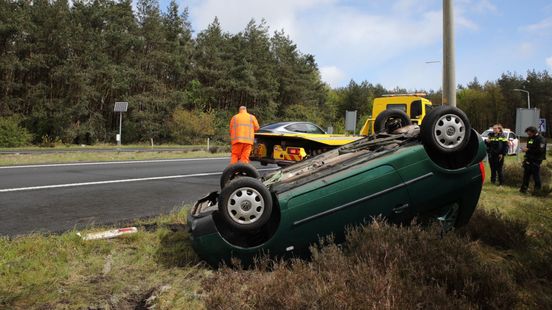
<point>541,27</point>
<point>549,62</point>
<point>527,49</point>
<point>235,14</point>
<point>332,75</point>
<point>344,36</point>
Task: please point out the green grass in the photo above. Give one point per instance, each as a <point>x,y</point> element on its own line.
<point>64,271</point>
<point>100,146</point>
<point>49,158</point>
<point>509,238</point>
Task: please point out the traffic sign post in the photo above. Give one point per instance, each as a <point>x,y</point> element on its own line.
<point>542,125</point>
<point>350,121</point>
<point>120,107</point>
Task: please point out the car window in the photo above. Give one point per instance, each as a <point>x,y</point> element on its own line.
<point>416,109</point>
<point>311,128</point>
<point>396,106</point>
<point>486,133</point>
<point>272,126</point>
<point>300,128</point>
<point>429,107</point>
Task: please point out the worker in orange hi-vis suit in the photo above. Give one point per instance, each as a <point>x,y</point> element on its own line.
<point>242,134</point>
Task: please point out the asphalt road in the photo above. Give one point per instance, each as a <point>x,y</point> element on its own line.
<point>54,198</point>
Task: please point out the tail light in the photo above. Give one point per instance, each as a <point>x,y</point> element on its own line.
<point>482,169</point>
<point>294,151</point>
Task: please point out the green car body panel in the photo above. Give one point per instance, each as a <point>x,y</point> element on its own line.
<point>399,185</point>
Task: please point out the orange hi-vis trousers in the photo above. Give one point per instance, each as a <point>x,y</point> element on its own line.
<point>241,152</point>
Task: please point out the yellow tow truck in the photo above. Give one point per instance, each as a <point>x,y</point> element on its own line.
<point>285,143</point>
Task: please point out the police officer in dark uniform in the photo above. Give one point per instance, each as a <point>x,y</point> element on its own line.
<point>535,153</point>
<point>497,148</point>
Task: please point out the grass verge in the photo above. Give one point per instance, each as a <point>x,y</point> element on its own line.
<point>500,260</point>
<point>54,158</point>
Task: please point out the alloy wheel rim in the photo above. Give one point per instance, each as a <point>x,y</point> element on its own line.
<point>449,131</point>
<point>245,206</point>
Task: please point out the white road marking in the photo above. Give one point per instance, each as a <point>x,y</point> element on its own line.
<point>114,162</point>
<point>20,189</point>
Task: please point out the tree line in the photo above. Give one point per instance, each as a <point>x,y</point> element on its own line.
<point>64,64</point>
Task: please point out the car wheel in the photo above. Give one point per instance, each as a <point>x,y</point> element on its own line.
<point>445,129</point>
<point>237,170</point>
<point>391,120</point>
<point>245,204</point>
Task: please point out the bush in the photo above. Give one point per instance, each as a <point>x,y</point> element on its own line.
<point>496,230</point>
<point>191,127</point>
<point>513,173</point>
<point>381,266</point>
<point>11,134</point>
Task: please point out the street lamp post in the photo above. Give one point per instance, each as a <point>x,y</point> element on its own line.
<point>528,96</point>
<point>449,73</point>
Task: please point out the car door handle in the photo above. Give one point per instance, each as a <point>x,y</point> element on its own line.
<point>400,209</point>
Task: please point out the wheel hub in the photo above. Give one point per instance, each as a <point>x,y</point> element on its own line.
<point>245,205</point>
<point>449,131</point>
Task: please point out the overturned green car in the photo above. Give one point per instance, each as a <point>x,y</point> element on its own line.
<point>433,172</point>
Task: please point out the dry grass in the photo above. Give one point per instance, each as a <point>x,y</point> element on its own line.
<point>500,260</point>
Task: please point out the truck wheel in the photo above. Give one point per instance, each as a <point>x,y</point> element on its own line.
<point>245,204</point>
<point>391,120</point>
<point>237,170</point>
<point>445,129</point>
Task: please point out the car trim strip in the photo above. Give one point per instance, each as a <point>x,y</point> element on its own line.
<point>352,203</point>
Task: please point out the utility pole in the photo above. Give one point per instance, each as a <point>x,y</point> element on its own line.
<point>528,96</point>
<point>449,73</point>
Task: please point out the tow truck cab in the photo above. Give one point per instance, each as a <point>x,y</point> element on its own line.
<point>414,105</point>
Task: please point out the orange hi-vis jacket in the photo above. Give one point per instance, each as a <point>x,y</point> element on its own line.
<point>242,128</point>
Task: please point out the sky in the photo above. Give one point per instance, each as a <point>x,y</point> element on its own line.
<point>391,41</point>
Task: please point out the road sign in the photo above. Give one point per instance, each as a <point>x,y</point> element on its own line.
<point>542,125</point>
<point>526,118</point>
<point>120,107</point>
<point>350,120</point>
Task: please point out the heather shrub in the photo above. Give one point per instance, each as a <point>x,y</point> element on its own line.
<point>513,173</point>
<point>496,230</point>
<point>380,266</point>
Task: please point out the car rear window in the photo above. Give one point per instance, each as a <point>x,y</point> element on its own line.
<point>272,126</point>
<point>397,106</point>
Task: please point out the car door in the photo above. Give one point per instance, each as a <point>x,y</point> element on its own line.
<point>350,197</point>
<point>512,143</point>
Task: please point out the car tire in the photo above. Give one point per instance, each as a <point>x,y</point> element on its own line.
<point>445,129</point>
<point>245,204</point>
<point>238,170</point>
<point>391,120</point>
